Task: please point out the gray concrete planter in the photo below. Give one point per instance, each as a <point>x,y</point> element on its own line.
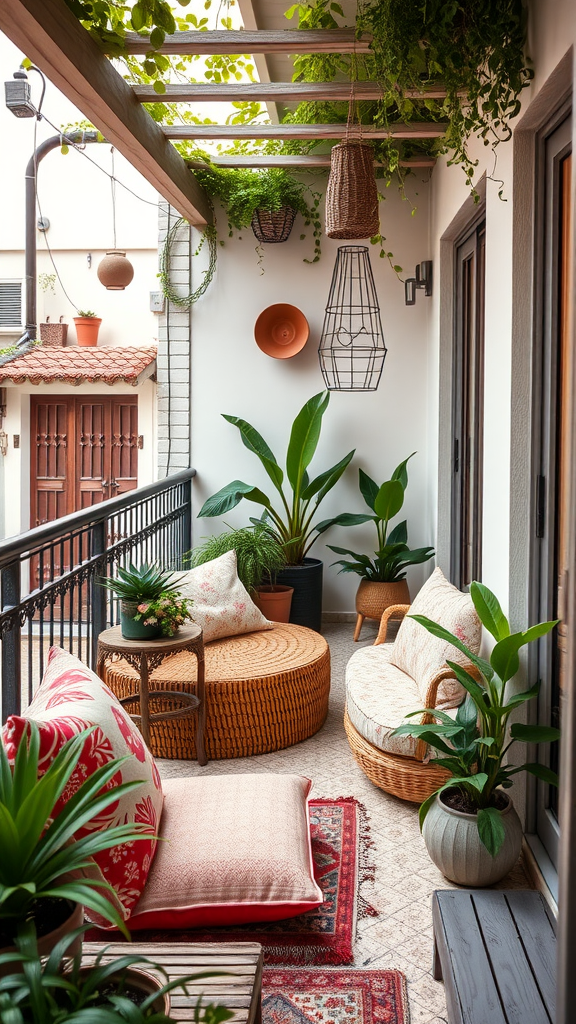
<point>453,842</point>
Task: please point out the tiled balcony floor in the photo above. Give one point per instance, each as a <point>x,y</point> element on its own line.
<point>401,936</point>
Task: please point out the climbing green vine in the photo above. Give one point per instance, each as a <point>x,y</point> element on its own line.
<point>186,301</point>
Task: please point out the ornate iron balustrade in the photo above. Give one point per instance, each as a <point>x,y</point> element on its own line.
<point>49,576</point>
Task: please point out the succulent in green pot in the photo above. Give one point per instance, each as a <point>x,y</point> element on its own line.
<point>150,603</point>
<point>470,827</point>
<point>383,575</point>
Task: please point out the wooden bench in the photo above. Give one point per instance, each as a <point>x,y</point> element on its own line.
<point>238,988</point>
<point>496,952</point>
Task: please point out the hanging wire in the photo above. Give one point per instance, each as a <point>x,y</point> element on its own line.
<point>113,190</point>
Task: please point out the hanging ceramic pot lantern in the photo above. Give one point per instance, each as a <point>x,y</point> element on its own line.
<point>115,271</point>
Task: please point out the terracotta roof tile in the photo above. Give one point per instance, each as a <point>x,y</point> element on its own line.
<point>77,365</point>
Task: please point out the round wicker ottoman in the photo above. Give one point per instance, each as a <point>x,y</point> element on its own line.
<point>404,777</point>
<point>264,691</point>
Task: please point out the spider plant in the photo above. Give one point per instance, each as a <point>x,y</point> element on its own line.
<point>259,555</point>
<point>40,858</point>
<point>55,991</point>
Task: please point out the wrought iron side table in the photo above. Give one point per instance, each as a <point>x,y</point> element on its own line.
<point>145,656</point>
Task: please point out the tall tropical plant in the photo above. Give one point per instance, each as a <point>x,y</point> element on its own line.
<point>291,520</point>
<point>39,859</point>
<point>474,748</point>
<point>392,556</point>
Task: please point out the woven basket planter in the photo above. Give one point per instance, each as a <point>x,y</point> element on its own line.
<point>351,194</point>
<point>273,225</point>
<point>53,335</point>
<point>372,599</point>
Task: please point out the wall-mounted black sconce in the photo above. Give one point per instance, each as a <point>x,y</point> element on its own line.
<point>423,280</point>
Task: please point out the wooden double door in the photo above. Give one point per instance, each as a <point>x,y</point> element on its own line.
<point>83,450</point>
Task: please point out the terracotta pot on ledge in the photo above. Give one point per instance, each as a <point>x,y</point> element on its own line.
<point>87,328</point>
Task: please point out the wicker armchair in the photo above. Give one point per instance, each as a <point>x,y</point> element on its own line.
<point>380,691</point>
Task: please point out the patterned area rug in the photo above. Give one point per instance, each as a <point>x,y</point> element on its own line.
<point>341,850</point>
<point>333,996</point>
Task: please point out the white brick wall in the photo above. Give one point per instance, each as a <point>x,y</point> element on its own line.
<point>174,341</point>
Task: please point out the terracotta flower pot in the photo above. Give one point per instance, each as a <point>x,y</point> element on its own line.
<point>87,328</point>
<point>274,602</point>
<point>453,843</point>
<point>134,629</point>
<point>47,941</point>
<point>374,598</point>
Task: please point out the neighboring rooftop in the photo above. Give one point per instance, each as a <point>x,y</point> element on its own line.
<point>76,365</point>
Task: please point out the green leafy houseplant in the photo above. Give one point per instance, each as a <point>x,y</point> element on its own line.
<point>146,582</point>
<point>259,555</point>
<point>475,746</point>
<point>55,990</point>
<point>152,586</point>
<point>393,556</point>
<point>38,855</point>
<point>290,522</point>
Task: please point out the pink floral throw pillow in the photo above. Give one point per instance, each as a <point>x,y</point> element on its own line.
<point>70,699</point>
<point>222,605</point>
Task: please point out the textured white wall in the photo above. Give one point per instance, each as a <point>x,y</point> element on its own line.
<point>231,375</point>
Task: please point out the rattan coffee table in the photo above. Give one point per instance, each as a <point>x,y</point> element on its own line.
<point>142,656</point>
<point>264,691</point>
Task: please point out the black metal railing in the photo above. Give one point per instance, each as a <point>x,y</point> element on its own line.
<point>49,577</point>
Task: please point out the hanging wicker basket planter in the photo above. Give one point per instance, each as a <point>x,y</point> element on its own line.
<point>273,225</point>
<point>352,194</point>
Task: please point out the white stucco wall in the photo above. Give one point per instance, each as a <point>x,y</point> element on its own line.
<point>231,375</point>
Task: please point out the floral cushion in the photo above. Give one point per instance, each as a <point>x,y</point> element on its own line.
<point>70,699</point>
<point>222,605</point>
<point>236,849</point>
<point>378,697</point>
<point>421,655</point>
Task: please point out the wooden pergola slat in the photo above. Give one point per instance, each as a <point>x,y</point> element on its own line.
<point>303,162</point>
<point>49,34</point>
<point>238,41</point>
<point>289,92</point>
<point>289,132</point>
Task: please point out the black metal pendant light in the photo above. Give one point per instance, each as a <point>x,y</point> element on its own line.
<point>352,348</point>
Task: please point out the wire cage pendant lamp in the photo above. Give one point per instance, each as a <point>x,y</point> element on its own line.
<point>352,348</point>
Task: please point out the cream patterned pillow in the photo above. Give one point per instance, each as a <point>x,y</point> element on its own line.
<point>422,655</point>
<point>222,605</point>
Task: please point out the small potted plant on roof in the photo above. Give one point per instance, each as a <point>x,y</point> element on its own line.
<point>259,558</point>
<point>150,602</point>
<point>87,327</point>
<point>383,581</point>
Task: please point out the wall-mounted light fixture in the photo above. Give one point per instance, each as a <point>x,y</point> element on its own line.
<point>423,280</point>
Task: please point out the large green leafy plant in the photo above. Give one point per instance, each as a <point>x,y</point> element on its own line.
<point>56,990</point>
<point>290,521</point>
<point>393,556</point>
<point>38,852</point>
<point>474,748</point>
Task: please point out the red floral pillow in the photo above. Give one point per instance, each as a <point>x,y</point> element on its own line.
<point>70,699</point>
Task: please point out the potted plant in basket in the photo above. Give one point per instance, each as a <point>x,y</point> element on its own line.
<point>110,991</point>
<point>383,581</point>
<point>150,603</point>
<point>470,827</point>
<point>42,871</point>
<point>259,559</point>
<point>87,327</point>
<point>290,522</point>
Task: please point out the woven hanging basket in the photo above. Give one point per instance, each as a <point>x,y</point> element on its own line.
<point>273,225</point>
<point>351,194</point>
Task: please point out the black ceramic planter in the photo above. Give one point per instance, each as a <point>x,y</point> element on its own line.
<point>306,579</point>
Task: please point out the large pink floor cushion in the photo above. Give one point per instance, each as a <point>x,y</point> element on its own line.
<point>235,849</point>
<point>72,698</point>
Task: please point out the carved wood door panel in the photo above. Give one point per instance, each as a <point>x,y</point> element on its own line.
<point>83,451</point>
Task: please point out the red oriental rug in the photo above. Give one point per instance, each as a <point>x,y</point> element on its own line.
<point>340,846</point>
<point>333,996</point>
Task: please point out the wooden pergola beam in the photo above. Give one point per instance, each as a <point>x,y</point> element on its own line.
<point>266,92</point>
<point>303,162</point>
<point>49,34</point>
<point>290,132</point>
<point>238,41</point>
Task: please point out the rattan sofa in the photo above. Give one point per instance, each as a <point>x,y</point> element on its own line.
<point>387,681</point>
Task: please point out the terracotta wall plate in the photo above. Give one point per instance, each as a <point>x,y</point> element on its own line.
<point>281,331</point>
